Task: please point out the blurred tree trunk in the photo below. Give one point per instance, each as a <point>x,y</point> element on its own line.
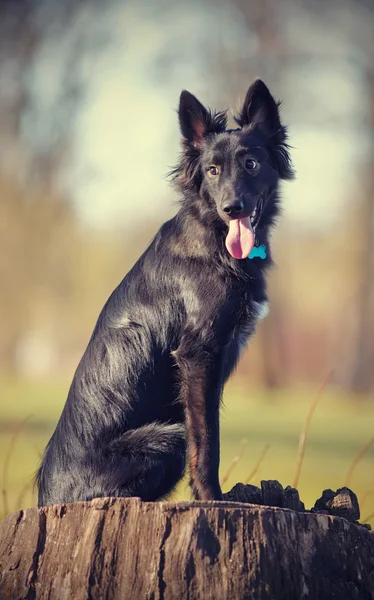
<point>273,347</point>
<point>264,34</point>
<point>362,379</point>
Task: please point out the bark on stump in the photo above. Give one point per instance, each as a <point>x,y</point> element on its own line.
<point>118,548</point>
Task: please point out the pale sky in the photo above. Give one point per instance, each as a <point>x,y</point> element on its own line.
<point>126,135</point>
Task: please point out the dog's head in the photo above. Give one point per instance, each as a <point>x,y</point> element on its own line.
<point>236,171</point>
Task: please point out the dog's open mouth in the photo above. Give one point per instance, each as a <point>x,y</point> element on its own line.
<point>241,236</point>
<point>256,214</point>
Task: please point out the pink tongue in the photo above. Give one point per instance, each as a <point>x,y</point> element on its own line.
<point>240,238</point>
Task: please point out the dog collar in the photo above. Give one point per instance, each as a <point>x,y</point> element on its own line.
<point>258,252</point>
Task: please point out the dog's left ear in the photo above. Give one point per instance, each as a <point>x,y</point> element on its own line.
<point>193,118</point>
<point>259,109</point>
<point>196,121</point>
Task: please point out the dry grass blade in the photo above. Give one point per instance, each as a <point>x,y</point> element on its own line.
<point>364,497</point>
<point>305,429</point>
<point>258,464</point>
<point>234,462</point>
<point>22,495</point>
<point>368,518</point>
<point>7,458</point>
<point>356,460</point>
<point>36,449</point>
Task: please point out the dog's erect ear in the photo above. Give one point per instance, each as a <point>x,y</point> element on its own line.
<point>196,122</point>
<point>259,108</point>
<point>193,118</point>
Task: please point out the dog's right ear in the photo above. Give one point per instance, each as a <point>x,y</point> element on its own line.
<point>260,109</point>
<point>193,119</point>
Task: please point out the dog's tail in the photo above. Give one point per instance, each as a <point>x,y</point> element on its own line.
<point>154,457</point>
<point>153,438</point>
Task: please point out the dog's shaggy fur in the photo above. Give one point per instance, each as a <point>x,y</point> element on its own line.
<point>146,394</point>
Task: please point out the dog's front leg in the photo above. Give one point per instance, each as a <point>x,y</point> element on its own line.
<point>200,393</point>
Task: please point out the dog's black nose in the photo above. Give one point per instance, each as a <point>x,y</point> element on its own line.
<point>234,209</point>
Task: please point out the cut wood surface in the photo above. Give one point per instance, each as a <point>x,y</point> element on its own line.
<point>122,548</point>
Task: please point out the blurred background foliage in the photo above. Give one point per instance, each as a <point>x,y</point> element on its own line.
<point>88,129</point>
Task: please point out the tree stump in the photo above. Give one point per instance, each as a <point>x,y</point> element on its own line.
<point>125,549</point>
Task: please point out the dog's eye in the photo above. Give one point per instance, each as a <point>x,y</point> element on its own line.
<point>213,170</point>
<point>250,164</point>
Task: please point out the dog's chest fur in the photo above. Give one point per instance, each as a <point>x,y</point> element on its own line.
<point>256,311</point>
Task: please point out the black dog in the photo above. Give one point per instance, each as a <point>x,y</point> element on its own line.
<point>147,390</point>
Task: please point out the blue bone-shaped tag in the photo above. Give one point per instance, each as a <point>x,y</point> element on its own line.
<point>258,252</point>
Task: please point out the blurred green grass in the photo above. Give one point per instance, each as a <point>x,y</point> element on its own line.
<point>340,427</point>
